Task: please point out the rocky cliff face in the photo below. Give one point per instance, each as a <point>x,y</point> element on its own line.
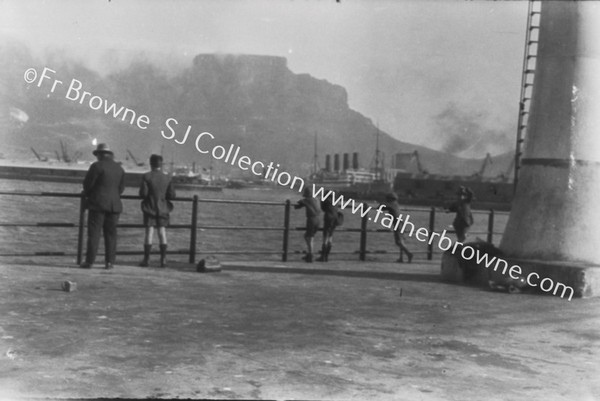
<point>255,87</point>
<point>255,102</point>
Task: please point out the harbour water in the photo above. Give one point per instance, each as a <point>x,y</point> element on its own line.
<point>18,210</point>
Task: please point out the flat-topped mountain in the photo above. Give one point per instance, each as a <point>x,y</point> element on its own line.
<point>255,102</point>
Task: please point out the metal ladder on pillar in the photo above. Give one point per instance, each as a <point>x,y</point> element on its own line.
<point>527,79</point>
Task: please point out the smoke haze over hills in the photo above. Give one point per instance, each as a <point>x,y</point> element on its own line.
<point>403,64</point>
<point>255,102</point>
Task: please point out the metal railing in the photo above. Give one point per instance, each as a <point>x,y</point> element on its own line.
<point>193,227</point>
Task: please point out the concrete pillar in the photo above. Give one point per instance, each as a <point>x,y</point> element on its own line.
<point>336,162</point>
<point>555,214</point>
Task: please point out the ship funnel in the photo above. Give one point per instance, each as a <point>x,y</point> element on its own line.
<point>355,165</point>
<point>346,161</point>
<point>328,163</point>
<point>336,162</point>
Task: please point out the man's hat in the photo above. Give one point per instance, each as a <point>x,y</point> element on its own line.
<point>102,148</point>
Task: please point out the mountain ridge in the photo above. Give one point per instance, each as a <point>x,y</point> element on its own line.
<point>253,101</point>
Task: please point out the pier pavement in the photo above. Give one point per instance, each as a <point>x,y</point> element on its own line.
<point>342,330</point>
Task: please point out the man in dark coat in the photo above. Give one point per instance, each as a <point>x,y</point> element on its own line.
<point>103,185</point>
<point>156,191</point>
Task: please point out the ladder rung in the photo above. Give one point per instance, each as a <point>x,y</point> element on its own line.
<point>529,71</point>
<point>528,84</point>
<point>524,111</point>
<point>532,27</point>
<point>531,42</point>
<point>531,56</point>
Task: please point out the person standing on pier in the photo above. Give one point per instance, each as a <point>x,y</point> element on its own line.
<point>156,191</point>
<point>332,217</point>
<point>464,218</point>
<point>392,207</point>
<point>313,211</point>
<point>102,187</point>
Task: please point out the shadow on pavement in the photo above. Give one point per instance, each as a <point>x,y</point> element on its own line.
<point>431,278</point>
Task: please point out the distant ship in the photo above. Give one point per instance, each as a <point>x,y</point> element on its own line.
<point>67,168</point>
<point>415,185</point>
<point>352,181</point>
<point>187,178</point>
<point>411,182</point>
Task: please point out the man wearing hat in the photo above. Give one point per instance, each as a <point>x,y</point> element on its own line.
<point>102,187</point>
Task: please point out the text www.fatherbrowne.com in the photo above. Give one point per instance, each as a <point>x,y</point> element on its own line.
<point>403,224</point>
<point>76,93</point>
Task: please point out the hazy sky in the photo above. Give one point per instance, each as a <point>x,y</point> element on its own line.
<point>444,74</point>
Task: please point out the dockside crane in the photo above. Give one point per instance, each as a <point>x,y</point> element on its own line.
<point>415,157</point>
<point>486,162</point>
<point>65,155</point>
<point>408,159</point>
<point>505,177</point>
<point>140,164</point>
<point>40,158</point>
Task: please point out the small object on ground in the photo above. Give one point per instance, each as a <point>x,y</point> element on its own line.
<point>108,266</point>
<point>85,266</point>
<point>209,264</point>
<point>68,286</point>
<point>509,285</point>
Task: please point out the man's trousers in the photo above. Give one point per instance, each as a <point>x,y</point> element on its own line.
<point>107,223</point>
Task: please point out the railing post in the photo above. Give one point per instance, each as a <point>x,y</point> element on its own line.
<point>193,229</point>
<point>81,228</point>
<point>431,230</point>
<point>490,233</point>
<point>363,238</point>
<point>286,230</point>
